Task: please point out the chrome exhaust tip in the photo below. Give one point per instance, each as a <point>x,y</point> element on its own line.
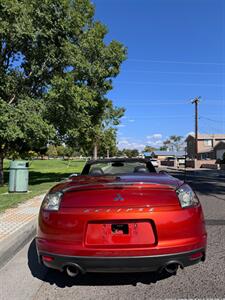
<point>73,270</point>
<point>171,268</point>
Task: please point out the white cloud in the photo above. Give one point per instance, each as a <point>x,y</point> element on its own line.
<point>155,136</point>
<point>129,144</point>
<point>155,140</point>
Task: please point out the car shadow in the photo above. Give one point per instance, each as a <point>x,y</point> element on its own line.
<point>62,280</point>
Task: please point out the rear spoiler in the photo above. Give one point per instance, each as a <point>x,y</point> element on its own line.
<point>119,185</point>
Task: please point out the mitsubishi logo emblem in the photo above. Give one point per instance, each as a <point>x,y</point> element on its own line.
<point>118,198</point>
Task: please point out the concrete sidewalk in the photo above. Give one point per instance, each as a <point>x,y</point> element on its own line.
<point>17,227</point>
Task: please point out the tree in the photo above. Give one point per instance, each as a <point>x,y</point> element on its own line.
<point>166,145</point>
<point>60,150</point>
<point>108,143</point>
<point>174,143</point>
<point>21,127</point>
<point>130,152</point>
<point>163,148</point>
<point>52,151</point>
<point>69,151</point>
<point>55,70</point>
<point>77,105</point>
<point>103,134</point>
<point>120,153</point>
<point>149,149</point>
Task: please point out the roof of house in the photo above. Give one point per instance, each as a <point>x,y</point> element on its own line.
<point>207,136</point>
<point>165,153</point>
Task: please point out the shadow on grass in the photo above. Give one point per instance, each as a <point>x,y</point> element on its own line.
<point>36,178</point>
<point>47,171</point>
<point>90,279</point>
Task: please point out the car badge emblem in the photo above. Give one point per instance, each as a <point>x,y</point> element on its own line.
<point>118,198</point>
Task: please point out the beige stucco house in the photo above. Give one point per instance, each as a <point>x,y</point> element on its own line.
<point>206,145</point>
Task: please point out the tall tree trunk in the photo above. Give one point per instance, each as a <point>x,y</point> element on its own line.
<point>107,153</point>
<point>95,151</point>
<point>1,170</point>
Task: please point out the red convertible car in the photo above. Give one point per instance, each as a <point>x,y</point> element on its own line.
<point>119,215</point>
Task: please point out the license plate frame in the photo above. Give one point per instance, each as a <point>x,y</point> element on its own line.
<point>140,233</point>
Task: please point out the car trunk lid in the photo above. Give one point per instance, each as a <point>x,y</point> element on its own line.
<point>127,192</point>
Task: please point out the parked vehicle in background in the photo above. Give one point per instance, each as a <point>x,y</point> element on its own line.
<point>181,161</point>
<point>154,162</point>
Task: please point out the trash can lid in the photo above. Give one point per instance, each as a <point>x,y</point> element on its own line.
<point>19,164</point>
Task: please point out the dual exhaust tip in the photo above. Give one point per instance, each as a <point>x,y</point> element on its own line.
<point>74,270</point>
<point>171,268</point>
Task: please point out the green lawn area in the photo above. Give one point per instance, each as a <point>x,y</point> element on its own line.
<point>42,175</point>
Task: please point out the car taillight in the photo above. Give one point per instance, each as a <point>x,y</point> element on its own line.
<point>186,196</point>
<point>47,258</point>
<point>196,256</point>
<point>52,201</point>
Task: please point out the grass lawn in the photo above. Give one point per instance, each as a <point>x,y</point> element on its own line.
<point>42,175</point>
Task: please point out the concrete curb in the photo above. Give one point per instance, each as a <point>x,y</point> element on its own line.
<point>13,244</point>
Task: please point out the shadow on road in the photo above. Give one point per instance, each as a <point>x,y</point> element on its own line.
<point>91,279</point>
<point>203,182</point>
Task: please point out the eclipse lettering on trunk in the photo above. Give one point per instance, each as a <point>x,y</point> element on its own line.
<point>117,210</point>
<point>118,198</point>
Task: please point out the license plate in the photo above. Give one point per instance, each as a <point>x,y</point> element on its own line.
<point>136,234</point>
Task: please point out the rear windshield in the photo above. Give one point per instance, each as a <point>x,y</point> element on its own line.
<point>118,168</point>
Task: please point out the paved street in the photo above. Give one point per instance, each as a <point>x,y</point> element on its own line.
<point>23,278</point>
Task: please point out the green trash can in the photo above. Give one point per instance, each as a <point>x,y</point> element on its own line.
<point>18,176</point>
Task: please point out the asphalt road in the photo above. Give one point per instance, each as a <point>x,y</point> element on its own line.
<point>22,278</point>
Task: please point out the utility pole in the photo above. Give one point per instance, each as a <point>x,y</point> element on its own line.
<point>196,102</point>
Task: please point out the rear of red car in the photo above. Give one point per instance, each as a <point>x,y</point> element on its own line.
<point>121,225</point>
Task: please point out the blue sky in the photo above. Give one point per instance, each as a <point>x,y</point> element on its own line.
<point>176,51</point>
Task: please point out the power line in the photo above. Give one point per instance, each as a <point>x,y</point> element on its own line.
<point>171,83</point>
<point>211,129</point>
<point>138,102</point>
<point>216,121</point>
<point>162,116</point>
<point>171,72</point>
<point>175,62</point>
<point>179,101</point>
<point>155,103</point>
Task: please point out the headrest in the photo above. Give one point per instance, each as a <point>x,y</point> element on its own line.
<point>96,172</point>
<point>140,169</point>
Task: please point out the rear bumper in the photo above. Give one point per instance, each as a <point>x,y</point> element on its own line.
<point>123,264</point>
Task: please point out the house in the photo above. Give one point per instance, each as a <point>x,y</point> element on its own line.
<point>206,145</point>
<point>220,150</point>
